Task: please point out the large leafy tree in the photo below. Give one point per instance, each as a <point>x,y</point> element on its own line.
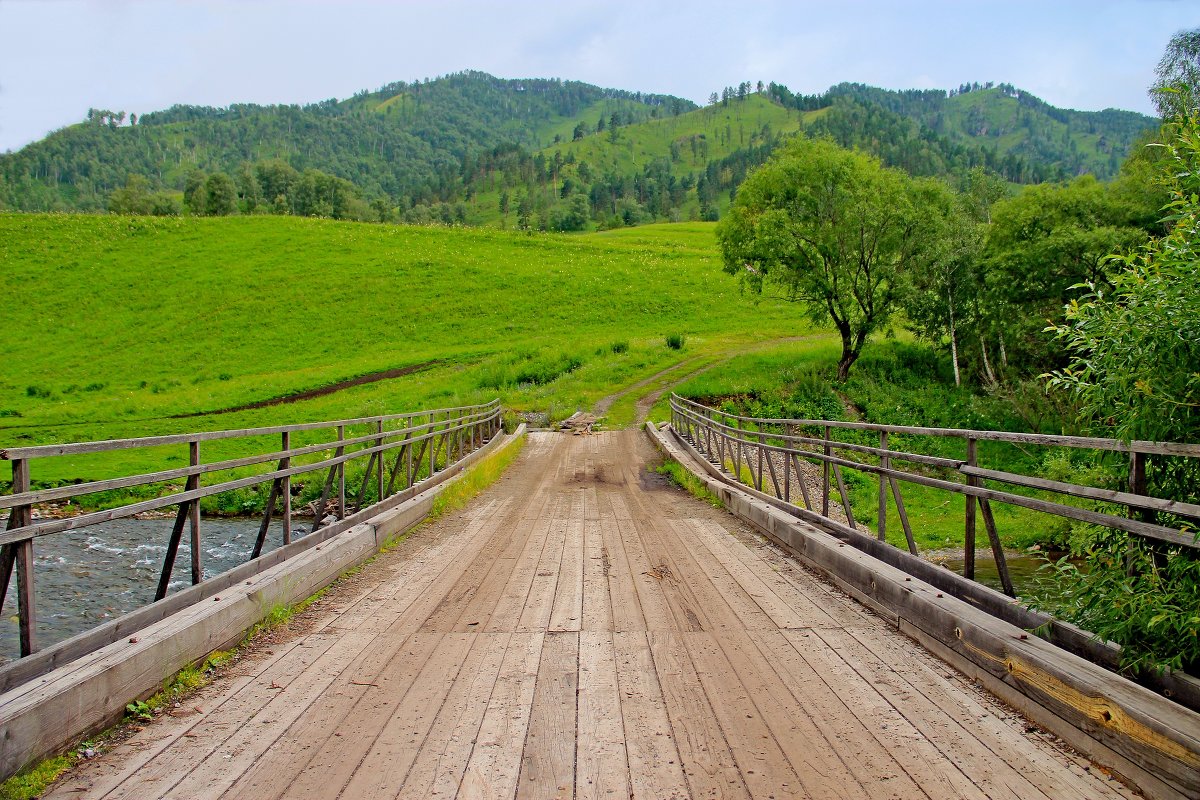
<point>833,229</point>
<point>1040,246</point>
<point>942,305</point>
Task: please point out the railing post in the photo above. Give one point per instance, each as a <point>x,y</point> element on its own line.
<point>758,482</point>
<point>286,463</point>
<point>193,483</point>
<point>408,455</point>
<point>825,470</point>
<point>737,465</point>
<point>884,464</point>
<point>341,451</point>
<point>969,537</point>
<point>787,466</point>
<point>20,555</point>
<point>379,477</point>
<point>432,446</point>
<point>1137,485</point>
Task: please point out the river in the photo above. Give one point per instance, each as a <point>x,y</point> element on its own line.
<point>84,578</point>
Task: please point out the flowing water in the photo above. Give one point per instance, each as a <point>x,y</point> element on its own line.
<point>87,577</point>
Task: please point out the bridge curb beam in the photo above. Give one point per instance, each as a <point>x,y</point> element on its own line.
<point>53,711</point>
<point>1148,739</point>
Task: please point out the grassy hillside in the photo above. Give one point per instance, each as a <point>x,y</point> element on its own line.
<point>641,159</point>
<point>117,323</point>
<point>1095,142</point>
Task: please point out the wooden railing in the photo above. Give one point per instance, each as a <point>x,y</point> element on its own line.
<point>400,451</point>
<point>771,450</point>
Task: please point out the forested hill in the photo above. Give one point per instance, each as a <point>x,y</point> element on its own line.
<point>403,141</point>
<point>1014,124</point>
<point>475,149</point>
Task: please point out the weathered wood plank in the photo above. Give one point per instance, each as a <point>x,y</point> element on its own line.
<point>601,762</point>
<point>655,766</point>
<point>496,758</point>
<point>567,612</point>
<point>597,605</point>
<point>548,757</point>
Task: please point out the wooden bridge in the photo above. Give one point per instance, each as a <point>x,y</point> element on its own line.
<point>585,629</point>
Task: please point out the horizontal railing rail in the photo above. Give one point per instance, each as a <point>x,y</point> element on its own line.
<point>766,453</point>
<point>422,443</point>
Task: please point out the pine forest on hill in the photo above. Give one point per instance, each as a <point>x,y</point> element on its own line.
<point>472,149</point>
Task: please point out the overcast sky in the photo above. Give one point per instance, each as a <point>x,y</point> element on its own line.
<point>60,57</point>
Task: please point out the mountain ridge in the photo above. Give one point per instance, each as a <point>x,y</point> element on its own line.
<point>419,151</point>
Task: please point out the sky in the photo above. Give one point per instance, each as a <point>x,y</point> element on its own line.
<point>60,57</point>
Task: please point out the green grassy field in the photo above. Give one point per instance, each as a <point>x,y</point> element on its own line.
<point>114,324</point>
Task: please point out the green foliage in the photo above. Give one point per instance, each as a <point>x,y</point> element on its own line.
<point>1143,597</point>
<point>29,784</point>
<point>1176,89</point>
<point>675,341</point>
<point>220,195</point>
<point>1134,372</point>
<point>195,196</point>
<point>139,709</point>
<point>835,230</point>
<point>1041,245</point>
<point>1135,347</point>
<point>529,368</point>
<point>136,198</point>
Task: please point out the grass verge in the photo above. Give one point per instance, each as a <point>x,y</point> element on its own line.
<point>684,479</point>
<point>475,480</point>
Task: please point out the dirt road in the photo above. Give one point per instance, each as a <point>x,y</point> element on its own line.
<point>584,629</point>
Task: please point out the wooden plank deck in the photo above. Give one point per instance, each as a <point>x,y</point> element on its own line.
<point>585,630</point>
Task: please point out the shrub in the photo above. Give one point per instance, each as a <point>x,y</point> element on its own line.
<point>675,341</point>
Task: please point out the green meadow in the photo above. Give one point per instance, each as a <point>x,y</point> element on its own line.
<point>117,324</point>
